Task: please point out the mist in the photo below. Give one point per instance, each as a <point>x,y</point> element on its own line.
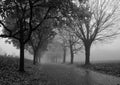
<point>100,52</point>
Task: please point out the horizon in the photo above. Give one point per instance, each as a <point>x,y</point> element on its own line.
<point>100,51</point>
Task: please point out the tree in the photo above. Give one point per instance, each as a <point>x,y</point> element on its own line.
<point>94,20</point>
<point>21,18</point>
<point>64,50</point>
<point>70,40</point>
<point>54,53</point>
<point>39,41</point>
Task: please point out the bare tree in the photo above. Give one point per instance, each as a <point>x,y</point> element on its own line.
<point>40,40</point>
<point>95,20</point>
<point>71,41</point>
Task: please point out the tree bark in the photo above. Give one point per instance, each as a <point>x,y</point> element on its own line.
<point>34,52</point>
<point>64,54</point>
<point>71,52</point>
<point>87,53</point>
<point>34,58</point>
<point>39,53</point>
<point>37,56</point>
<point>72,58</point>
<point>22,44</point>
<point>21,67</point>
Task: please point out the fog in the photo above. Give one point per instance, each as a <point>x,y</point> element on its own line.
<point>104,51</point>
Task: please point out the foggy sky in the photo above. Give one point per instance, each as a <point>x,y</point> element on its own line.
<point>100,51</point>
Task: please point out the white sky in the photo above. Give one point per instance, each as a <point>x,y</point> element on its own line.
<point>8,48</point>
<point>105,51</point>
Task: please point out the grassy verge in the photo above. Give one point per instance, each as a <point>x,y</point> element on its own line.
<point>107,68</point>
<point>9,74</point>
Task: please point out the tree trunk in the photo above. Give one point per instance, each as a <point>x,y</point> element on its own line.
<point>21,67</point>
<point>64,54</point>
<point>22,44</point>
<point>34,52</point>
<point>72,58</point>
<point>87,54</point>
<point>71,52</point>
<point>34,58</point>
<point>39,55</point>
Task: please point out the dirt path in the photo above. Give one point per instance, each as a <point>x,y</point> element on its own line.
<point>70,75</point>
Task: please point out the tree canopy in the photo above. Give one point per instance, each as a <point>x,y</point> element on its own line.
<point>20,18</point>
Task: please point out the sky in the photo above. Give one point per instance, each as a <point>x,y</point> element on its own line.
<point>8,48</point>
<point>105,51</point>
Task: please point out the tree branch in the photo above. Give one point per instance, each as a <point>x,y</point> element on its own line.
<point>45,17</point>
<point>8,36</point>
<point>5,27</point>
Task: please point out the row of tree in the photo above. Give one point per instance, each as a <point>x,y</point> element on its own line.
<point>30,24</point>
<point>22,21</point>
<point>87,23</point>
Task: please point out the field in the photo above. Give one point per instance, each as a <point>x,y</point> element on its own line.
<point>9,74</point>
<point>111,68</point>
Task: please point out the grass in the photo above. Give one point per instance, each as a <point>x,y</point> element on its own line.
<point>110,68</point>
<point>9,74</point>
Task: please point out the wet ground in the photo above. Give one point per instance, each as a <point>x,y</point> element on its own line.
<point>59,74</point>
